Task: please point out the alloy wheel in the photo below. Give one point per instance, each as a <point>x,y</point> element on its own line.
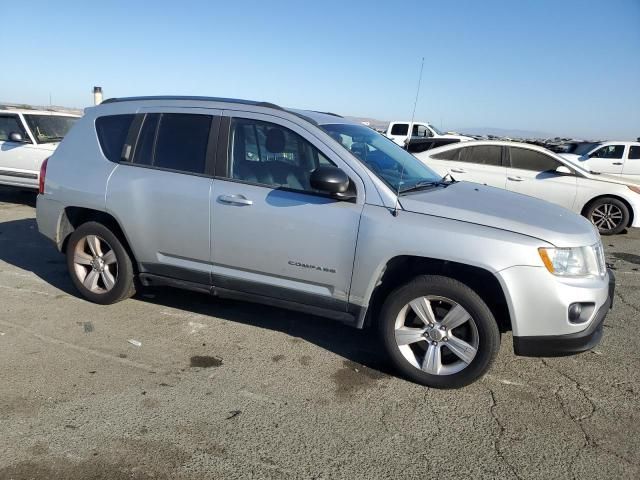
<point>95,264</point>
<point>607,216</point>
<point>436,335</point>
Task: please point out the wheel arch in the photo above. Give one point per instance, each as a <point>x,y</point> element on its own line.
<point>401,269</point>
<point>73,217</point>
<point>587,205</point>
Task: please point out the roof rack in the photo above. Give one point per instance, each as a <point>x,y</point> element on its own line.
<point>194,98</point>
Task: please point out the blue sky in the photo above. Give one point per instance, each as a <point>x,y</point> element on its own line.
<point>566,67</point>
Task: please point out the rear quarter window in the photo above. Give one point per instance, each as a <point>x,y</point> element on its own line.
<point>400,129</point>
<point>112,133</point>
<point>451,155</point>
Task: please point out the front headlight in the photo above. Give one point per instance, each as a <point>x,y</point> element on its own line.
<point>575,261</point>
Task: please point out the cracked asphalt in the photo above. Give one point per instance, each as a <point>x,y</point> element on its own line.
<point>221,389</point>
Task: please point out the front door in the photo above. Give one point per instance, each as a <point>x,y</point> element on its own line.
<point>161,196</point>
<point>273,235</point>
<point>607,159</point>
<point>534,173</point>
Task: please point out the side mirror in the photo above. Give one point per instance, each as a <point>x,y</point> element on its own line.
<point>332,180</point>
<point>564,170</point>
<point>16,137</point>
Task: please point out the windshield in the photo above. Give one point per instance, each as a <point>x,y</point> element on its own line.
<point>436,130</point>
<point>49,128</point>
<point>396,167</point>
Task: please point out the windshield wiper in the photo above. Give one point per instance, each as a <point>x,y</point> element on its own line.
<point>421,186</point>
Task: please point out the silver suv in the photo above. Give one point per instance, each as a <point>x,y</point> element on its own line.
<point>309,211</point>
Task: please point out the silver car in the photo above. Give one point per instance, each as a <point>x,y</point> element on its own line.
<point>309,211</point>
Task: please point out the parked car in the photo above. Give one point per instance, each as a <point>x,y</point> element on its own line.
<point>27,137</point>
<point>399,133</point>
<point>311,212</point>
<point>613,158</point>
<point>612,204</point>
<point>578,148</point>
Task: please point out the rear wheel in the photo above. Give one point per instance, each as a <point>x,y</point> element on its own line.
<point>439,332</point>
<point>99,265</point>
<point>609,215</point>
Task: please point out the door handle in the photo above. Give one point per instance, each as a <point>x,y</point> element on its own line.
<point>458,170</point>
<point>235,200</point>
<point>617,163</point>
<point>515,179</point>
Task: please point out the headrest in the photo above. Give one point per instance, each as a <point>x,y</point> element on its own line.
<point>275,140</point>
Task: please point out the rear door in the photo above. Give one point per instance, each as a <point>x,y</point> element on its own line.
<point>632,164</point>
<point>160,193</point>
<point>273,235</point>
<point>19,161</point>
<point>607,159</point>
<point>480,164</point>
<point>534,173</point>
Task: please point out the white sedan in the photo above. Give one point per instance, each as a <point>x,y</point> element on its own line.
<point>611,203</point>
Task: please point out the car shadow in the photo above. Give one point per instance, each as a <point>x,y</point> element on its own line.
<point>17,196</point>
<point>22,246</point>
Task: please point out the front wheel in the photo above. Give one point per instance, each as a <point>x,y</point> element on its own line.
<point>609,215</point>
<point>438,332</point>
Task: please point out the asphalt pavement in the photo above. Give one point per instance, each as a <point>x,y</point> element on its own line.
<point>224,389</point>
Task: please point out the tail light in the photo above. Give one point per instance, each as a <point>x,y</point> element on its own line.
<point>43,173</point>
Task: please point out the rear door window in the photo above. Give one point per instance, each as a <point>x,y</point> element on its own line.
<point>146,140</point>
<point>525,159</point>
<point>112,133</point>
<point>174,141</point>
<point>634,153</point>
<point>400,129</point>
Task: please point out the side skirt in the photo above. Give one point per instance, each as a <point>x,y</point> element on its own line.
<point>349,318</point>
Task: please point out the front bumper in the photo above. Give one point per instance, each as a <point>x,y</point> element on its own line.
<point>568,344</point>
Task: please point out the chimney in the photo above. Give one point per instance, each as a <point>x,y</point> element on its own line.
<point>97,95</point>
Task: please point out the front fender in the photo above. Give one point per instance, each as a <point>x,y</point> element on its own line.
<point>383,237</point>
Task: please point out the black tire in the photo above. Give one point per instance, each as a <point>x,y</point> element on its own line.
<point>619,216</point>
<point>124,286</point>
<point>487,334</point>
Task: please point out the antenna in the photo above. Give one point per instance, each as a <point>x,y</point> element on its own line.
<point>410,133</point>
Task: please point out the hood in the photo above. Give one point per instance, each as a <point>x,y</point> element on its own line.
<point>617,179</point>
<point>602,177</point>
<point>497,208</point>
